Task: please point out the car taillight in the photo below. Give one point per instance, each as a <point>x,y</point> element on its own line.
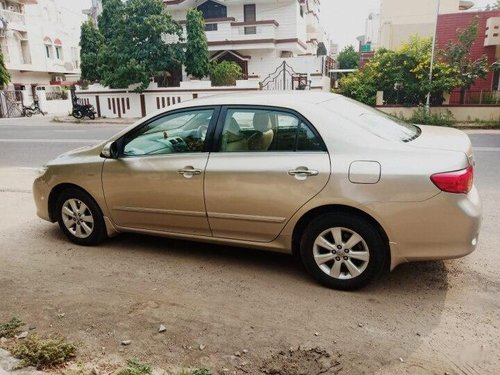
<point>455,182</point>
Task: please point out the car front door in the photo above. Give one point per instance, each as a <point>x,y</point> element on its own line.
<point>156,183</point>
<point>267,163</point>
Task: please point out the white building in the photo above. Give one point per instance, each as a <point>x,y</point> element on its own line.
<point>260,34</point>
<point>40,42</point>
<point>398,23</point>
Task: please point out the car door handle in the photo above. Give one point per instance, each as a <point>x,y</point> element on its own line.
<point>189,172</point>
<point>303,172</point>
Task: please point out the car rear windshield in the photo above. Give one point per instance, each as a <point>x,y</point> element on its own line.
<point>373,120</point>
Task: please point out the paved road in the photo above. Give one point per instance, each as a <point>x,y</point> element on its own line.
<point>32,142</point>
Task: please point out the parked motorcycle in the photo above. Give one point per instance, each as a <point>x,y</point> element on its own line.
<point>31,110</point>
<point>83,110</point>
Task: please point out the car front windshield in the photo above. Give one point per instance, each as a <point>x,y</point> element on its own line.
<point>373,120</point>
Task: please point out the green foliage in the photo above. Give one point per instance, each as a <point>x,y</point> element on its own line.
<point>136,368</point>
<point>422,117</point>
<point>91,41</point>
<point>11,328</point>
<point>224,73</point>
<point>402,75</point>
<point>348,58</point>
<point>197,61</point>
<point>202,372</point>
<point>457,55</point>
<point>113,12</point>
<point>135,49</point>
<point>321,50</point>
<point>44,353</point>
<point>4,73</point>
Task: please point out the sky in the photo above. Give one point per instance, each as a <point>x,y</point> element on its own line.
<point>345,20</point>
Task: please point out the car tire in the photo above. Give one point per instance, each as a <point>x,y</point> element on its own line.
<point>80,218</point>
<point>343,251</point>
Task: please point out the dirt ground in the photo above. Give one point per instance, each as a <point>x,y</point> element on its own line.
<point>241,311</point>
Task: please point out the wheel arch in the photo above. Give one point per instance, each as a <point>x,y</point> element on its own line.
<point>56,192</point>
<point>306,218</point>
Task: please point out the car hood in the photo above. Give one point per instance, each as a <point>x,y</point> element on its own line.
<point>77,155</point>
<point>441,138</point>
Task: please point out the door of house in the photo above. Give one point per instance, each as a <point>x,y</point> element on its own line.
<point>250,15</point>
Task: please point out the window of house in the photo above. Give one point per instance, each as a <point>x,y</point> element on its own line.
<point>48,51</point>
<point>59,53</point>
<point>261,130</point>
<point>211,27</point>
<point>250,15</point>
<point>211,9</point>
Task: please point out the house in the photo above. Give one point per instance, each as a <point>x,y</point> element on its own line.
<point>40,43</point>
<point>259,35</point>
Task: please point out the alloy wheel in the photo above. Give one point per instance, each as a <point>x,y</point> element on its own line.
<point>77,218</point>
<point>341,253</point>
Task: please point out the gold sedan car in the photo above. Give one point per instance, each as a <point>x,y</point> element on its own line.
<point>349,190</point>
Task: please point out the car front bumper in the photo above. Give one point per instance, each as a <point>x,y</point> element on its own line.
<point>41,193</point>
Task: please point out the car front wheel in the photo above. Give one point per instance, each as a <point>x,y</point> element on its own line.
<point>343,251</point>
<point>80,218</point>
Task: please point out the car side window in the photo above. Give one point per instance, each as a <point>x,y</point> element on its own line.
<point>261,130</point>
<point>171,134</point>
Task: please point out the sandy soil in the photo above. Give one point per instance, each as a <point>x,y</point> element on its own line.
<point>249,312</point>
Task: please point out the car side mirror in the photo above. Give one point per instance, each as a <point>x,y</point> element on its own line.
<point>109,151</point>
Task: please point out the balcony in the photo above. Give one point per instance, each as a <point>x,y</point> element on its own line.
<point>492,37</point>
<point>15,20</point>
<point>228,32</point>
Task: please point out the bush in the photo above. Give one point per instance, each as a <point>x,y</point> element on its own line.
<point>11,328</point>
<point>423,117</point>
<point>44,353</point>
<point>225,73</point>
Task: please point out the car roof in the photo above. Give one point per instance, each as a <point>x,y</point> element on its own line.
<point>288,99</point>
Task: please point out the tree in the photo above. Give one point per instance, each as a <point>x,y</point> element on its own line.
<point>348,58</point>
<point>4,73</point>
<point>321,50</point>
<point>91,41</point>
<point>402,75</point>
<point>111,18</point>
<point>493,6</point>
<point>136,48</point>
<point>457,55</point>
<point>197,62</point>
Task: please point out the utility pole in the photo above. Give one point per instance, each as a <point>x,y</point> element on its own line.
<point>431,70</point>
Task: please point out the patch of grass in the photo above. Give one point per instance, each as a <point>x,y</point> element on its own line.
<point>11,328</point>
<point>136,368</point>
<point>44,353</point>
<point>196,372</point>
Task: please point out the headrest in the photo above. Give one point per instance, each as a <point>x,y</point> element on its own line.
<point>262,122</point>
<point>233,127</point>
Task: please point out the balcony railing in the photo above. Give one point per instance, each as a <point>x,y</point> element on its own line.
<point>229,30</point>
<point>13,18</point>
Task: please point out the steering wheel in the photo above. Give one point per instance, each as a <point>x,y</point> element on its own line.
<point>202,131</point>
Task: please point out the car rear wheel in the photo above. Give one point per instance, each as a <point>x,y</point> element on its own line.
<point>80,218</point>
<point>343,251</point>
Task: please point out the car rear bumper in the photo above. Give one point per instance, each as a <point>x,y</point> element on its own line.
<point>443,227</point>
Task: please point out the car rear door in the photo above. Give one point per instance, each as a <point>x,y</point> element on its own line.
<point>267,163</point>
